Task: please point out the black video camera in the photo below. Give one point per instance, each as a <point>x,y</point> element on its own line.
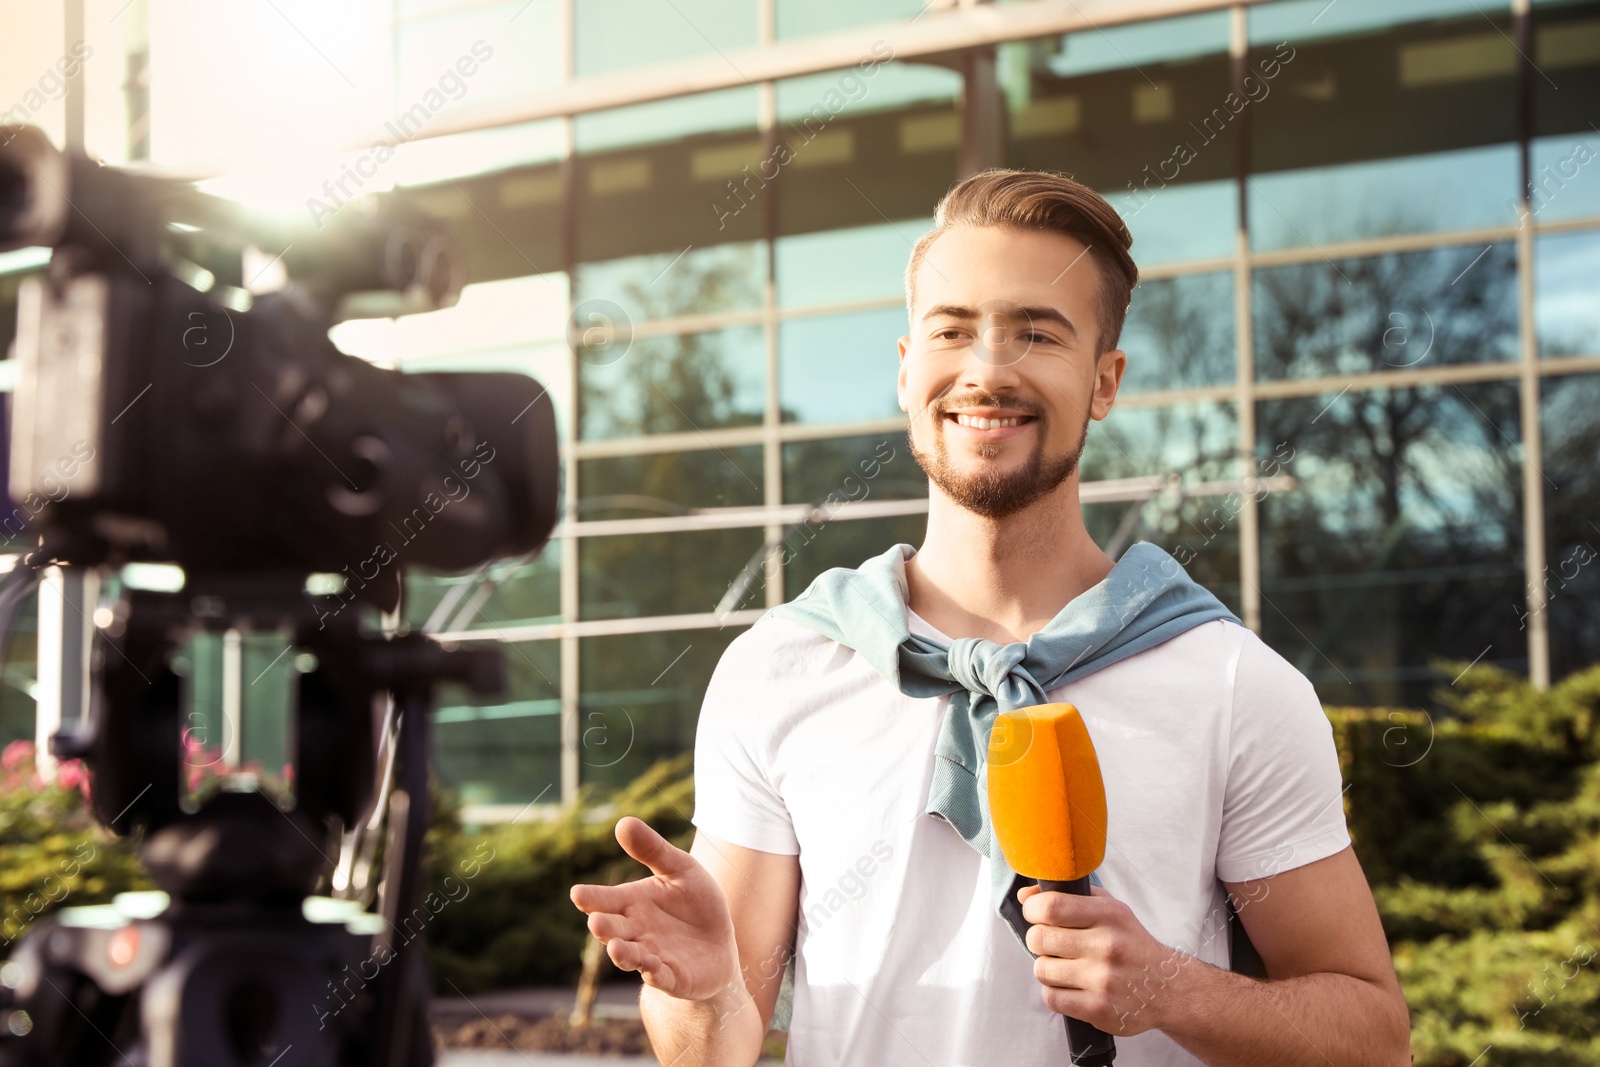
<point>179,401</point>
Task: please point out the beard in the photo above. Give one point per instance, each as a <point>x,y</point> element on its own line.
<point>991,493</point>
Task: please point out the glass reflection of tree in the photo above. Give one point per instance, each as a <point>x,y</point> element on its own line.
<point>668,384</point>
<point>1572,517</point>
<point>1179,333</point>
<point>1403,542</point>
<point>1392,312</point>
<point>675,383</point>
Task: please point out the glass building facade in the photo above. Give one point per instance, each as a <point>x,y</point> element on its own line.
<point>1364,359</point>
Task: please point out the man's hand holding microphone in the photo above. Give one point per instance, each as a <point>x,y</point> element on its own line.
<point>1048,808</point>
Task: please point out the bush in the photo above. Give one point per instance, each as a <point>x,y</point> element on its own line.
<point>1480,833</point>
<point>52,852</point>
<point>516,925</point>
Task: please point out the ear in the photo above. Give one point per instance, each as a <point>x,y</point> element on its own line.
<point>900,385</point>
<point>1108,369</point>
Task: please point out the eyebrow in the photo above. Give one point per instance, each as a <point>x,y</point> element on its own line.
<point>1029,314</point>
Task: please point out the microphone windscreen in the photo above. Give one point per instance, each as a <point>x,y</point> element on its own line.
<point>1047,801</point>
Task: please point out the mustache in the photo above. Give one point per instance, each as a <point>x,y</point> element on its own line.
<point>1021,406</point>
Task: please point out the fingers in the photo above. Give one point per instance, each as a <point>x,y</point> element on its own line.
<point>651,849</point>
<point>632,956</point>
<point>1060,943</point>
<point>606,926</point>
<point>614,898</point>
<point>1067,909</point>
<point>1091,1007</point>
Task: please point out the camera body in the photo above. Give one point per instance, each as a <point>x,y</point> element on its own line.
<point>179,401</point>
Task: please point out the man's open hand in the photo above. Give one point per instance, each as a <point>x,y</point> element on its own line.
<point>672,927</point>
<point>1096,961</point>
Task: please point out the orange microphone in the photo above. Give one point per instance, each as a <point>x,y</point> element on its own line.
<point>1047,805</point>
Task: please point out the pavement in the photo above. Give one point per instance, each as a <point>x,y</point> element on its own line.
<point>477,1057</point>
<point>616,1000</point>
<point>494,1058</point>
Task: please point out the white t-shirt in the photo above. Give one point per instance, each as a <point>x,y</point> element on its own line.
<point>1218,762</point>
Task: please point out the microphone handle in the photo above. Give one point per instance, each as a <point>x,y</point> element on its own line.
<point>1091,1046</point>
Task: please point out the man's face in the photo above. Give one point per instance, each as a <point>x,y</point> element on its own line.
<point>999,373</point>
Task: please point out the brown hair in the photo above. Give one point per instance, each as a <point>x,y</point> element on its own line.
<point>1052,203</point>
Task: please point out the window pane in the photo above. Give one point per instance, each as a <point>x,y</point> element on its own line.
<point>1565,310</point>
<point>660,120</point>
<point>661,574</point>
<point>9,285</point>
<point>1141,114</point>
<point>866,146</point>
<point>1384,100</point>
<point>1571,507</point>
<point>516,593</point>
<point>478,54</point>
<point>1139,44</point>
<point>1565,84</point>
<point>810,550</point>
<point>1174,223</point>
<point>875,466</point>
<point>841,266</point>
<point>1471,188</point>
<point>661,177</point>
<point>18,711</point>
<point>1402,543</point>
<point>669,483</point>
<point>434,159</point>
<point>807,105</point>
<point>1414,309</point>
<point>678,383</point>
<point>667,284</point>
<point>805,18</point>
<point>641,700</point>
<point>1179,333</point>
<point>840,368</point>
<point>509,223</point>
<point>1196,441</point>
<point>611,35</point>
<point>1308,20</point>
<point>1566,179</point>
<point>1201,533</point>
<point>506,748</point>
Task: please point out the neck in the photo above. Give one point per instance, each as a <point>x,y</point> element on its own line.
<point>1003,579</point>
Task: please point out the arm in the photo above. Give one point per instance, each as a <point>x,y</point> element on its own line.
<point>1330,995</point>
<point>709,932</point>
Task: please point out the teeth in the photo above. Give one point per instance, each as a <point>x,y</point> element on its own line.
<point>986,424</point>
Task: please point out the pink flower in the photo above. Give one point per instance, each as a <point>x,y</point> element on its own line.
<point>71,774</point>
<point>16,754</point>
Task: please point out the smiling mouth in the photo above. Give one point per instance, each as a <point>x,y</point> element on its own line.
<point>977,422</point>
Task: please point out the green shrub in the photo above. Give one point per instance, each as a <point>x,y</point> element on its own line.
<point>516,925</point>
<point>52,853</point>
<point>1480,833</point>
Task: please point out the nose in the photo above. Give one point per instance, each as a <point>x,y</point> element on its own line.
<point>992,360</point>
<point>995,336</point>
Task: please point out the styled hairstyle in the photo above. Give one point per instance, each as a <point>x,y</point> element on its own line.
<point>1052,203</point>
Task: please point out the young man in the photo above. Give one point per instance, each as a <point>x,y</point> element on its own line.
<point>838,761</point>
